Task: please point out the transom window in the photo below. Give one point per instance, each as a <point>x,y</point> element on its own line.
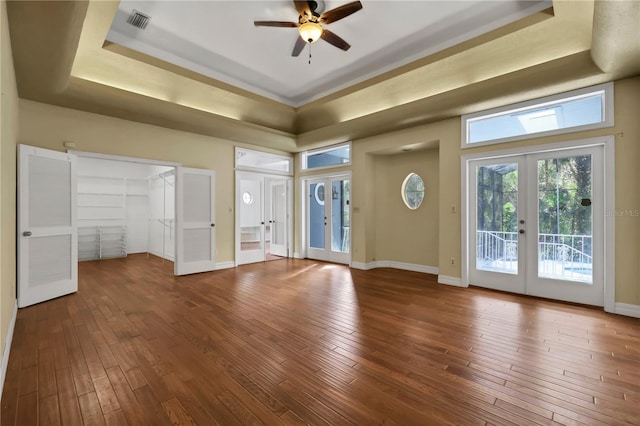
<point>334,156</point>
<point>583,109</point>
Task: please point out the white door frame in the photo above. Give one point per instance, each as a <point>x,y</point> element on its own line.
<point>304,219</point>
<point>607,142</point>
<point>238,205</point>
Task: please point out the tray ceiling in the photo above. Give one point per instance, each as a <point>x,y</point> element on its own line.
<point>218,39</point>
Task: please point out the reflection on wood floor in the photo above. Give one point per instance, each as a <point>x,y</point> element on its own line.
<point>300,341</point>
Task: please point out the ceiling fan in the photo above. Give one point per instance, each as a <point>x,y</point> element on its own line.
<point>310,24</point>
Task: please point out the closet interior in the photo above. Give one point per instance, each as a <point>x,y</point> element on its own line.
<point>125,207</point>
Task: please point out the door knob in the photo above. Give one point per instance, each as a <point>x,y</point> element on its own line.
<point>521,231</point>
<point>26,233</point>
<point>521,221</point>
<point>213,224</point>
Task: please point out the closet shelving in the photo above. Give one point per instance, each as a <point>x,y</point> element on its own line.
<point>102,215</point>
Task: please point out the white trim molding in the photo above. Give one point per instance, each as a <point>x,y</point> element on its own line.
<point>627,309</point>
<point>454,281</point>
<point>425,269</point>
<point>225,265</point>
<point>363,266</point>
<point>7,346</point>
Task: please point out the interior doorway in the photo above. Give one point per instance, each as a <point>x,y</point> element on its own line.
<point>262,228</point>
<point>125,207</point>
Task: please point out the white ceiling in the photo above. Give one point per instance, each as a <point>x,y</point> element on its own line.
<point>218,39</point>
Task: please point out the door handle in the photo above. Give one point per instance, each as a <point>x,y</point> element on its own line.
<point>213,224</point>
<point>521,231</point>
<point>26,234</point>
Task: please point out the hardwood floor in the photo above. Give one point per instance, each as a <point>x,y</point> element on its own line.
<point>296,341</point>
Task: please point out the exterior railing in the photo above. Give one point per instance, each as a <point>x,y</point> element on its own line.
<point>559,255</point>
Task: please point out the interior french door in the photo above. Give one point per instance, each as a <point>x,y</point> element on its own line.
<point>537,224</point>
<point>328,219</point>
<point>262,219</point>
<point>47,233</point>
<point>278,217</point>
<point>195,221</point>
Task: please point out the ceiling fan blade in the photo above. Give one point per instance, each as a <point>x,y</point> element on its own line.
<point>302,6</point>
<point>331,38</point>
<point>297,48</point>
<point>340,12</point>
<point>275,24</point>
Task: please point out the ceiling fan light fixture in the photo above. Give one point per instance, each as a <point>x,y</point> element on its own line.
<point>310,31</point>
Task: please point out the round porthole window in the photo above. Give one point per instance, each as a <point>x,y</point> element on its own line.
<point>319,194</point>
<point>247,198</point>
<point>413,191</point>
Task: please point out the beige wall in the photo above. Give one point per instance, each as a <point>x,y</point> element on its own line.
<point>627,176</point>
<point>48,126</point>
<point>367,239</point>
<point>8,135</point>
<point>395,225</point>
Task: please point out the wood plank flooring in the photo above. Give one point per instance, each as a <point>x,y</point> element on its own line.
<point>304,342</point>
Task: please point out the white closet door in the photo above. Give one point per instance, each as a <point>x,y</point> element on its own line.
<point>47,231</point>
<point>195,221</point>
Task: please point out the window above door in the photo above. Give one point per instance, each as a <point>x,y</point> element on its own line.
<point>583,109</point>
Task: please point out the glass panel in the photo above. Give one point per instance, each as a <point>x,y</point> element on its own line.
<point>565,219</point>
<point>413,191</point>
<point>572,110</point>
<point>278,198</point>
<point>49,259</point>
<point>197,245</point>
<point>334,156</point>
<point>196,207</point>
<point>49,192</point>
<point>246,158</point>
<point>340,221</point>
<point>316,215</point>
<point>251,215</point>
<point>497,218</point>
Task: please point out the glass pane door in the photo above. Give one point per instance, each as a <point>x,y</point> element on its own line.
<point>340,219</point>
<point>565,219</point>
<point>317,217</point>
<point>536,224</point>
<point>278,218</point>
<point>329,219</point>
<point>566,254</point>
<point>497,221</point>
<point>251,219</point>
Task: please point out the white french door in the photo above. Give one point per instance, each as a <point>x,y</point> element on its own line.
<point>278,217</point>
<point>262,217</point>
<point>47,232</point>
<point>328,211</point>
<point>195,221</point>
<point>536,224</point>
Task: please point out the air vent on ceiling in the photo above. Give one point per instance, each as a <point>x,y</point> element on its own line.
<point>138,19</point>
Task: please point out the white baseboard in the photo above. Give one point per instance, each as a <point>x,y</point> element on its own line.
<point>225,265</point>
<point>361,265</point>
<point>454,281</point>
<point>7,347</point>
<point>628,310</point>
<point>297,256</point>
<point>425,269</point>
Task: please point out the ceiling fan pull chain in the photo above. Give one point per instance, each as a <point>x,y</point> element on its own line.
<point>309,53</point>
